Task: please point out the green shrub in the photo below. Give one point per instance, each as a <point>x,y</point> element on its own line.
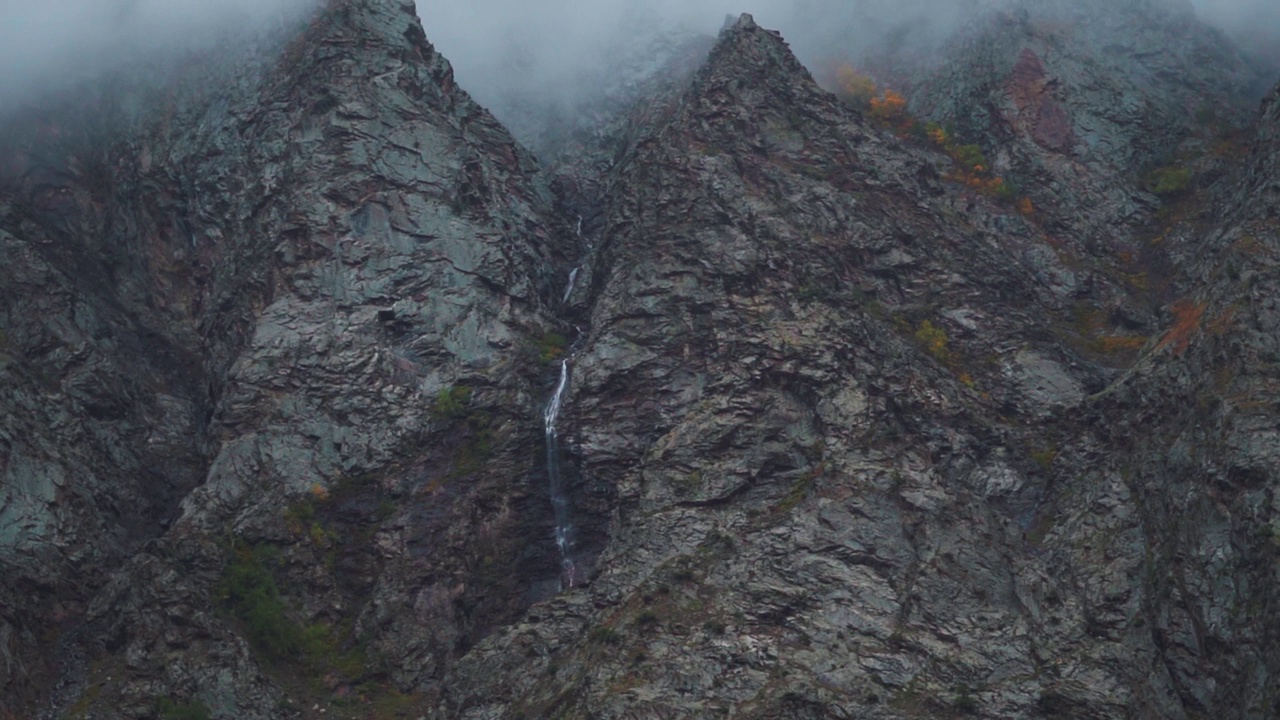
<point>1044,458</point>
<point>965,704</point>
<point>934,339</point>
<point>551,347</point>
<point>452,403</point>
<point>249,593</point>
<point>606,635</point>
<point>970,156</point>
<point>1007,191</point>
<point>1169,180</point>
<point>194,710</point>
<point>321,648</point>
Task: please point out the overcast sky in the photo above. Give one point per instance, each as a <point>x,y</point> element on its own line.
<point>44,42</point>
<point>554,45</point>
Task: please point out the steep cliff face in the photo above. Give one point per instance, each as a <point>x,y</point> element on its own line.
<point>313,291</point>
<point>838,433</point>
<point>851,429</point>
<point>1081,102</point>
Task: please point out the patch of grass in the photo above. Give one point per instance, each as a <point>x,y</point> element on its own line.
<point>606,636</point>
<point>551,347</point>
<point>800,489</point>
<point>194,710</point>
<point>1120,344</point>
<point>472,454</point>
<point>83,704</point>
<point>249,593</point>
<point>1044,458</point>
<point>300,519</point>
<point>298,516</point>
<point>323,652</point>
<point>1169,180</point>
<point>452,403</point>
<point>965,703</point>
<point>646,618</point>
<point>934,340</point>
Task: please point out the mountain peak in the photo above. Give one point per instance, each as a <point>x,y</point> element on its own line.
<point>744,21</point>
<point>746,48</point>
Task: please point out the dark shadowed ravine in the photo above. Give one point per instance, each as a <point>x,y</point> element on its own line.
<point>910,385</point>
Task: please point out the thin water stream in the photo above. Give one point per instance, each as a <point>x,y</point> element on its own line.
<point>560,505</point>
<point>555,476</point>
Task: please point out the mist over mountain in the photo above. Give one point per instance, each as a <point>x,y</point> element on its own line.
<point>47,47</point>
<point>521,58</point>
<point>555,48</point>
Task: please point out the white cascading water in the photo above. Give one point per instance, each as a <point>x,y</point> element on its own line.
<point>559,498</point>
<point>555,476</point>
<point>573,278</point>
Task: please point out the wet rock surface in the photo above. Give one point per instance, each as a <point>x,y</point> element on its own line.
<point>841,436</point>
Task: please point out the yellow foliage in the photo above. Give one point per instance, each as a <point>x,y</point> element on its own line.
<point>889,109</point>
<point>934,339</point>
<point>854,87</point>
<point>1121,343</point>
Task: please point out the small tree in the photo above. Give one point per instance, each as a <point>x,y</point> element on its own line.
<point>854,87</point>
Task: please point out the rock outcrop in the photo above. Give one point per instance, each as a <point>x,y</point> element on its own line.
<point>859,471</point>
<point>297,312</point>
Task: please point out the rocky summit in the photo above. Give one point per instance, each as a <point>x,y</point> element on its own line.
<point>939,386</point>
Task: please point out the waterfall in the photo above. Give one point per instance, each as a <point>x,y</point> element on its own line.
<point>559,496</point>
<point>573,278</point>
<point>554,474</point>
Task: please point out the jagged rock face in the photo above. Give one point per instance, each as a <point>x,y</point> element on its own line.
<point>819,517</point>
<point>266,296</point>
<point>842,437</point>
<point>1079,102</point>
<point>1260,195</point>
<point>1206,479</point>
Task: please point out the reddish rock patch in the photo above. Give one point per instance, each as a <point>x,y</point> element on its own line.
<point>1039,114</point>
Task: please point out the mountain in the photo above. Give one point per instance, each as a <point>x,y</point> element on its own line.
<point>743,398</point>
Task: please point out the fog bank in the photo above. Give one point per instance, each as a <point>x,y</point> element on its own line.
<point>48,45</point>
<point>549,47</point>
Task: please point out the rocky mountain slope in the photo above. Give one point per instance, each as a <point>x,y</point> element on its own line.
<point>837,430</point>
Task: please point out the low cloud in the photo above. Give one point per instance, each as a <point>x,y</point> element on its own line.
<point>49,45</point>
<point>547,46</point>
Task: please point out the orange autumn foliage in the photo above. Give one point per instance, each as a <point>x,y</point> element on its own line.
<point>1121,343</point>
<point>1186,321</point>
<point>892,108</point>
<point>888,108</point>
